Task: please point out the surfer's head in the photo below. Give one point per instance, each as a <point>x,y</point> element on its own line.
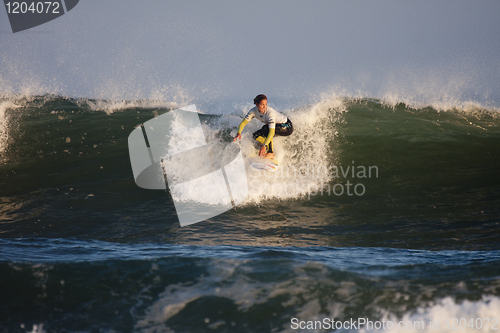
<point>261,102</point>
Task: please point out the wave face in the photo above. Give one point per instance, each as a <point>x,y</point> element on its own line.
<point>380,210</point>
<point>356,172</point>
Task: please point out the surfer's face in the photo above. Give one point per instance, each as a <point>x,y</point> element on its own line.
<point>262,106</point>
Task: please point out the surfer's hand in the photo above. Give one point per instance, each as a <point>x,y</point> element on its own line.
<point>238,136</point>
<point>262,152</point>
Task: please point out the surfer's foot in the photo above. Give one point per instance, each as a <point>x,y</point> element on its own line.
<point>269,156</point>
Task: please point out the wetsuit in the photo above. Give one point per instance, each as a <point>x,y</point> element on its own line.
<point>276,124</point>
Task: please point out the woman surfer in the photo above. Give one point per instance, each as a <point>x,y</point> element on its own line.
<point>276,124</point>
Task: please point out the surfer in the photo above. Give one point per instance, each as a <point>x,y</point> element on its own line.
<point>275,124</point>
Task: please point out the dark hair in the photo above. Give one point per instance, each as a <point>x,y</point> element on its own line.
<point>259,99</point>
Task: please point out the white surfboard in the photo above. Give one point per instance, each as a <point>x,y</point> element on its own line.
<point>265,164</point>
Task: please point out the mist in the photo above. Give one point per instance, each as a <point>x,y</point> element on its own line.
<point>185,51</point>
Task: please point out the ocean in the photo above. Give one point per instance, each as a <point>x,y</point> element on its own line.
<point>383,217</point>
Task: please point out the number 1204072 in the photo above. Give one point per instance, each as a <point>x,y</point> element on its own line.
<point>473,323</point>
<point>40,7</point>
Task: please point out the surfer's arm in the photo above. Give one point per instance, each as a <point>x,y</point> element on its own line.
<point>269,136</point>
<point>242,125</point>
<point>240,128</point>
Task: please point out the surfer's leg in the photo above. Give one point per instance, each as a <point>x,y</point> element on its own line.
<point>285,129</point>
<point>270,150</point>
<point>261,134</point>
<point>260,139</point>
<point>270,153</point>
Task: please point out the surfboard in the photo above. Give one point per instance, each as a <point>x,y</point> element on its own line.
<point>265,164</point>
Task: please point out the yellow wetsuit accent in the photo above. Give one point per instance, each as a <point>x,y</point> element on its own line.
<point>242,125</point>
<point>269,136</point>
<point>268,140</point>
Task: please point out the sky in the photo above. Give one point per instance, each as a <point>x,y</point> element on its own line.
<point>115,49</point>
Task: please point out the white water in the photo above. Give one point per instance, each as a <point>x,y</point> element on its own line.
<point>4,128</point>
<point>299,156</point>
<point>448,315</point>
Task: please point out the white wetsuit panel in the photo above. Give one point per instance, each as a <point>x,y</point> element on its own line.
<point>271,117</point>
